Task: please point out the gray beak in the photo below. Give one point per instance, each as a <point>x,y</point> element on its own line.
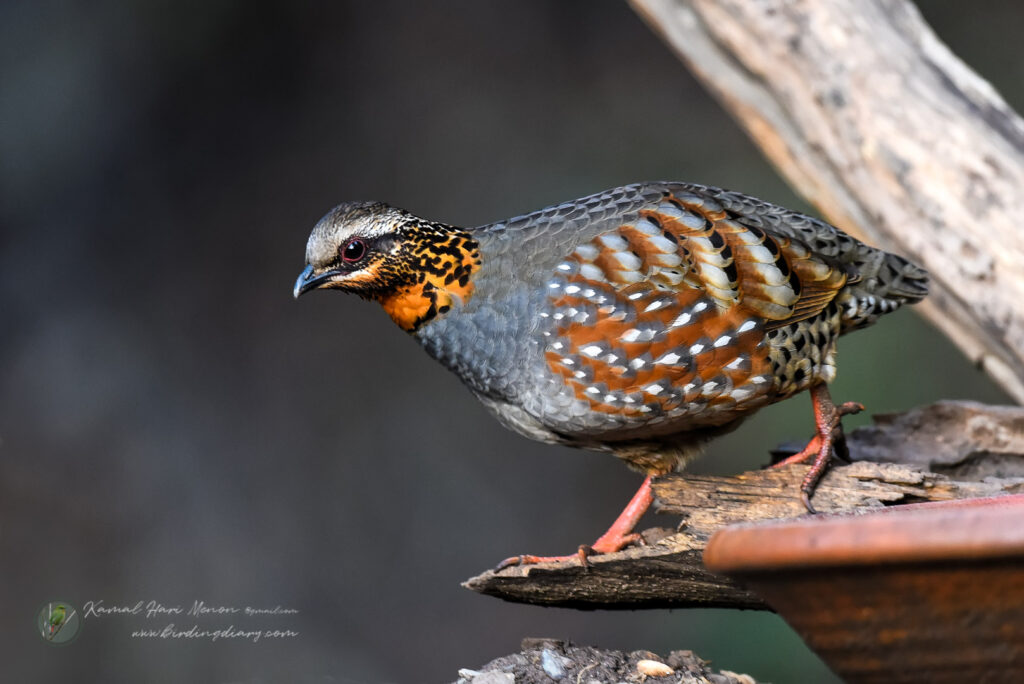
<point>307,280</point>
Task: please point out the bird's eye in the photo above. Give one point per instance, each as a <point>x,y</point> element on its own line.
<point>353,251</point>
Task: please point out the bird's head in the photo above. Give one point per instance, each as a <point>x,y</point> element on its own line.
<point>416,269</point>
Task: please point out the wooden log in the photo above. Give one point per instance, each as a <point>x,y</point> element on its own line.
<point>872,119</point>
<point>668,571</point>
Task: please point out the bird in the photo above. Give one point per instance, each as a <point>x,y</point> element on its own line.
<point>644,320</point>
<point>57,619</point>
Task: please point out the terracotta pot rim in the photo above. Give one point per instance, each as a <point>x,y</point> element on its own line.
<point>968,530</point>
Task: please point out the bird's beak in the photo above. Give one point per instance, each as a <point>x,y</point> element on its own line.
<point>308,280</point>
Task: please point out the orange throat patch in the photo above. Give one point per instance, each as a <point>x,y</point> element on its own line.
<point>440,269</point>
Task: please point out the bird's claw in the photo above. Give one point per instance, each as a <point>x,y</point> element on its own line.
<point>849,408</point>
<point>511,562</point>
<point>583,553</point>
<point>805,499</point>
<point>828,441</point>
<point>619,535</point>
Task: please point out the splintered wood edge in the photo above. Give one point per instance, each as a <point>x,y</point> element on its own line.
<point>669,571</point>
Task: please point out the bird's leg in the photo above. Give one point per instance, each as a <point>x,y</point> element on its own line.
<point>620,533</point>
<point>828,420</point>
<point>618,536</point>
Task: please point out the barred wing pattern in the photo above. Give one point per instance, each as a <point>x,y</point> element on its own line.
<point>687,317</point>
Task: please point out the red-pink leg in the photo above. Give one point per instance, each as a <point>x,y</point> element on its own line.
<point>827,420</point>
<point>618,536</point>
<point>808,451</point>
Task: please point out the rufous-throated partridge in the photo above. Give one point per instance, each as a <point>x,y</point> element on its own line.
<point>642,321</point>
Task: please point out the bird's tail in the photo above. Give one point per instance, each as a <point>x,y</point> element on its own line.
<point>881,282</point>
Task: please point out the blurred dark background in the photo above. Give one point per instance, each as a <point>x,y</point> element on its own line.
<point>175,427</point>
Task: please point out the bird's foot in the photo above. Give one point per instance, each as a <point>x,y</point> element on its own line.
<point>584,552</point>
<point>828,441</point>
<point>618,536</point>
